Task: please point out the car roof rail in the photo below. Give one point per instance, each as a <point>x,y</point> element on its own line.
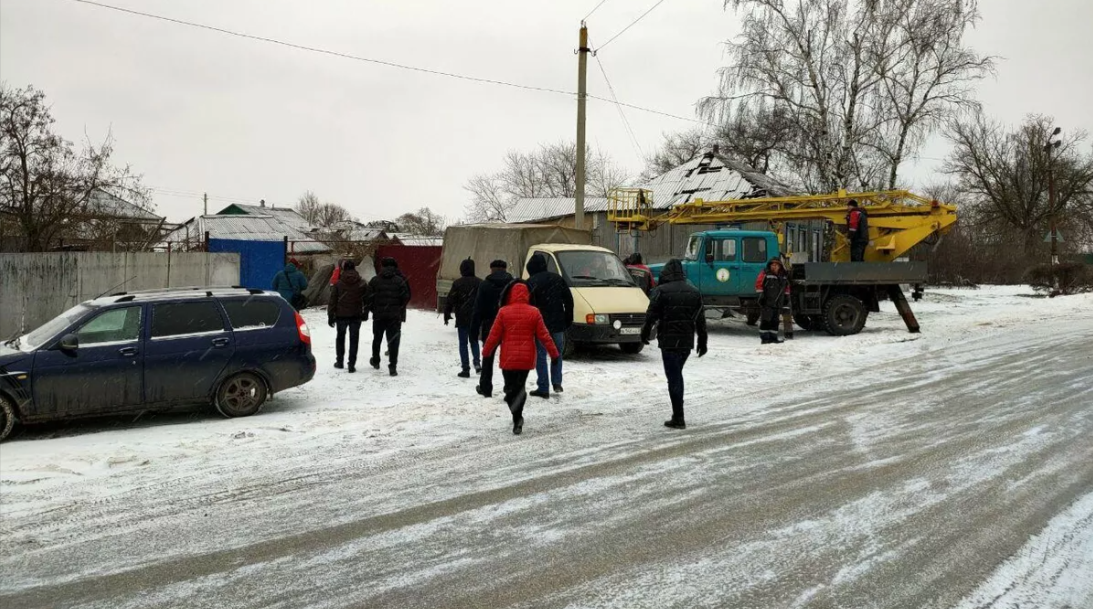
<point>207,291</point>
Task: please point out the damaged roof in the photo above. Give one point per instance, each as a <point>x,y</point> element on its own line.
<point>533,210</point>
<point>712,177</point>
<point>248,227</point>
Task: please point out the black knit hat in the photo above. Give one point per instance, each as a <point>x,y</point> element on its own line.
<point>499,264</point>
<point>389,263</point>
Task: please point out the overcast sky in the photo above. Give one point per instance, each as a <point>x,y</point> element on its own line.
<point>197,111</point>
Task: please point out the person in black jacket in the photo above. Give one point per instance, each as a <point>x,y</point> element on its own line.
<point>857,230</point>
<point>773,287</point>
<point>388,296</point>
<point>551,295</point>
<point>486,305</point>
<point>346,311</point>
<point>461,301</point>
<point>676,307</point>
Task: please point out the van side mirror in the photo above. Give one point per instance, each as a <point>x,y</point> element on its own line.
<point>69,342</point>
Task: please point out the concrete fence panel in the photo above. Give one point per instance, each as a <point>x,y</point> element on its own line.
<point>34,288</point>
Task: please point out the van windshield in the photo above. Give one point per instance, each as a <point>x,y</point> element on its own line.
<point>590,269</point>
<point>50,329</point>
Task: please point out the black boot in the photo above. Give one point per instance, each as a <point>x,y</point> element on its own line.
<point>375,362</point>
<point>465,374</point>
<point>338,365</point>
<point>478,389</point>
<point>393,370</point>
<point>675,423</point>
<point>352,368</point>
<point>557,389</point>
<point>764,338</point>
<point>540,394</point>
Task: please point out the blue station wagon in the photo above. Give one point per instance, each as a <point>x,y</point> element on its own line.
<point>154,351</point>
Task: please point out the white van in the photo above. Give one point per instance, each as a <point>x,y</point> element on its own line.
<point>608,306</point>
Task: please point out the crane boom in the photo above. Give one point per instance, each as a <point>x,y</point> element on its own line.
<point>898,219</point>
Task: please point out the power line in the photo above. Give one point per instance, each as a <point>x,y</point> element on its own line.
<point>602,2</point>
<point>388,63</point>
<point>622,114</point>
<point>632,24</point>
<point>324,51</point>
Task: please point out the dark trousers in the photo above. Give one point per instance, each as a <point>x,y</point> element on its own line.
<point>392,328</point>
<point>485,381</point>
<point>468,343</point>
<point>857,251</point>
<point>673,369</point>
<point>354,328</point>
<point>768,319</point>
<point>515,393</point>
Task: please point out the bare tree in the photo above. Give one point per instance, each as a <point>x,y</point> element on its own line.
<point>849,87</point>
<point>48,189</point>
<point>675,150</point>
<point>422,223</point>
<point>318,214</point>
<point>1006,174</point>
<point>550,171</point>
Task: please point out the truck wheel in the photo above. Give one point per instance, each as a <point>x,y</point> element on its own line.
<point>7,416</point>
<point>241,395</point>
<point>631,348</point>
<point>844,315</point>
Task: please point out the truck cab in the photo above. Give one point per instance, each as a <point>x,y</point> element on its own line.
<point>724,264</point>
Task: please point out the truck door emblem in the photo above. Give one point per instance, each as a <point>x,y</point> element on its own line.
<point>722,275</point>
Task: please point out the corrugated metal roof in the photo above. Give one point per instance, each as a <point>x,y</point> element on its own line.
<point>414,241</point>
<point>533,210</point>
<point>284,214</point>
<point>105,204</point>
<point>711,177</point>
<point>246,228</point>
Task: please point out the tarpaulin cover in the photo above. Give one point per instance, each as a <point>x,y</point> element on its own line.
<point>485,243</point>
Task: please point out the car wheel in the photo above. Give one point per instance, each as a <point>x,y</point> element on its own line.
<point>631,348</point>
<point>7,417</point>
<point>241,395</point>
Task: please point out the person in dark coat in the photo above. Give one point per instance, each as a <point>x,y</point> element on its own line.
<point>857,230</point>
<point>460,301</point>
<point>773,288</point>
<point>517,329</point>
<point>346,312</point>
<point>676,307</point>
<point>290,283</point>
<point>551,295</point>
<point>388,296</point>
<point>642,274</point>
<point>486,305</point>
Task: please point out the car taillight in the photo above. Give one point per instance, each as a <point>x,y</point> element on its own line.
<point>301,327</point>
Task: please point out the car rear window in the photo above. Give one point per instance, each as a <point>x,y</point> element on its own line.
<point>181,318</point>
<point>252,314</point>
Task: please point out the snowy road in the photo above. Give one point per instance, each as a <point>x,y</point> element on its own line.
<point>951,470</point>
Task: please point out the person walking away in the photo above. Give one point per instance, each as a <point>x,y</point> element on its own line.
<point>486,305</point>
<point>290,283</point>
<point>460,301</point>
<point>388,296</point>
<point>346,312</point>
<point>857,230</point>
<point>675,306</point>
<point>773,288</point>
<point>516,329</point>
<point>337,274</point>
<point>551,295</point>
<point>642,274</point>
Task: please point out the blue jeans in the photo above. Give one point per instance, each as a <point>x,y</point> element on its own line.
<point>544,382</point>
<point>465,339</point>
<point>673,369</point>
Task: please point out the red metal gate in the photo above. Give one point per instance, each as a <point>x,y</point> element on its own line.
<point>420,264</point>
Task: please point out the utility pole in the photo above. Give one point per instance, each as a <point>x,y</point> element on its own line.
<point>1049,147</point>
<point>205,198</point>
<point>582,81</point>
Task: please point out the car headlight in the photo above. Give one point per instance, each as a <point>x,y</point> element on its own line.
<point>596,319</point>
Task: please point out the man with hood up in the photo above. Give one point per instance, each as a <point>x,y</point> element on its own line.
<point>516,329</point>
<point>388,296</point>
<point>676,307</point>
<point>486,305</point>
<point>551,295</point>
<point>461,301</point>
<point>346,312</point>
<point>290,283</point>
<point>773,288</point>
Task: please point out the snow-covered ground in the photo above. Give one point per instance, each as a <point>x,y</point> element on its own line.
<point>57,481</point>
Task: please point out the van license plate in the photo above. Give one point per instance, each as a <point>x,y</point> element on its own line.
<point>630,331</point>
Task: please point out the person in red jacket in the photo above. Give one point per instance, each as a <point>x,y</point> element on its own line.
<point>857,230</point>
<point>517,326</point>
